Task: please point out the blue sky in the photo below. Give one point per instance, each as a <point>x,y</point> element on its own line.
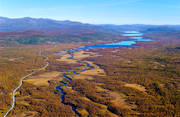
<point>96,11</point>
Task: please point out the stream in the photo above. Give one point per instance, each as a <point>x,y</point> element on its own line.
<point>134,35</point>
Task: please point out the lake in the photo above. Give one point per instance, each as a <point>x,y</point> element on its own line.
<point>135,35</point>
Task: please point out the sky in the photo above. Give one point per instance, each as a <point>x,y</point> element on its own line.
<point>96,11</point>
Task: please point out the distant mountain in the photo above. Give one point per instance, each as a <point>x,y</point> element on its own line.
<point>163,29</point>
<point>14,31</point>
<point>27,23</point>
<point>34,31</point>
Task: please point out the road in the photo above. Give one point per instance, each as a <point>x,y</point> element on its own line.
<point>21,82</point>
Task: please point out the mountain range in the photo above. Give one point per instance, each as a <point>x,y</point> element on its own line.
<point>15,31</point>
<point>28,23</point>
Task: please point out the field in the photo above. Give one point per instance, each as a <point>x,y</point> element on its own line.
<point>127,82</point>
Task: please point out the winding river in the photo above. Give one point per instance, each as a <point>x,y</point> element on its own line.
<point>134,35</point>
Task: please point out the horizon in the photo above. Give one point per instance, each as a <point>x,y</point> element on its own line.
<point>87,22</point>
<point>118,12</point>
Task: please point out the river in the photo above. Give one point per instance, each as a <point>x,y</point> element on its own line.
<point>134,35</point>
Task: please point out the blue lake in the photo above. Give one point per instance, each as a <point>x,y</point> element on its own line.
<point>135,35</point>
<point>132,34</point>
<point>111,45</point>
<point>140,39</point>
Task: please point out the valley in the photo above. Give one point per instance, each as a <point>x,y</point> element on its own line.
<point>89,58</point>
<point>138,78</point>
